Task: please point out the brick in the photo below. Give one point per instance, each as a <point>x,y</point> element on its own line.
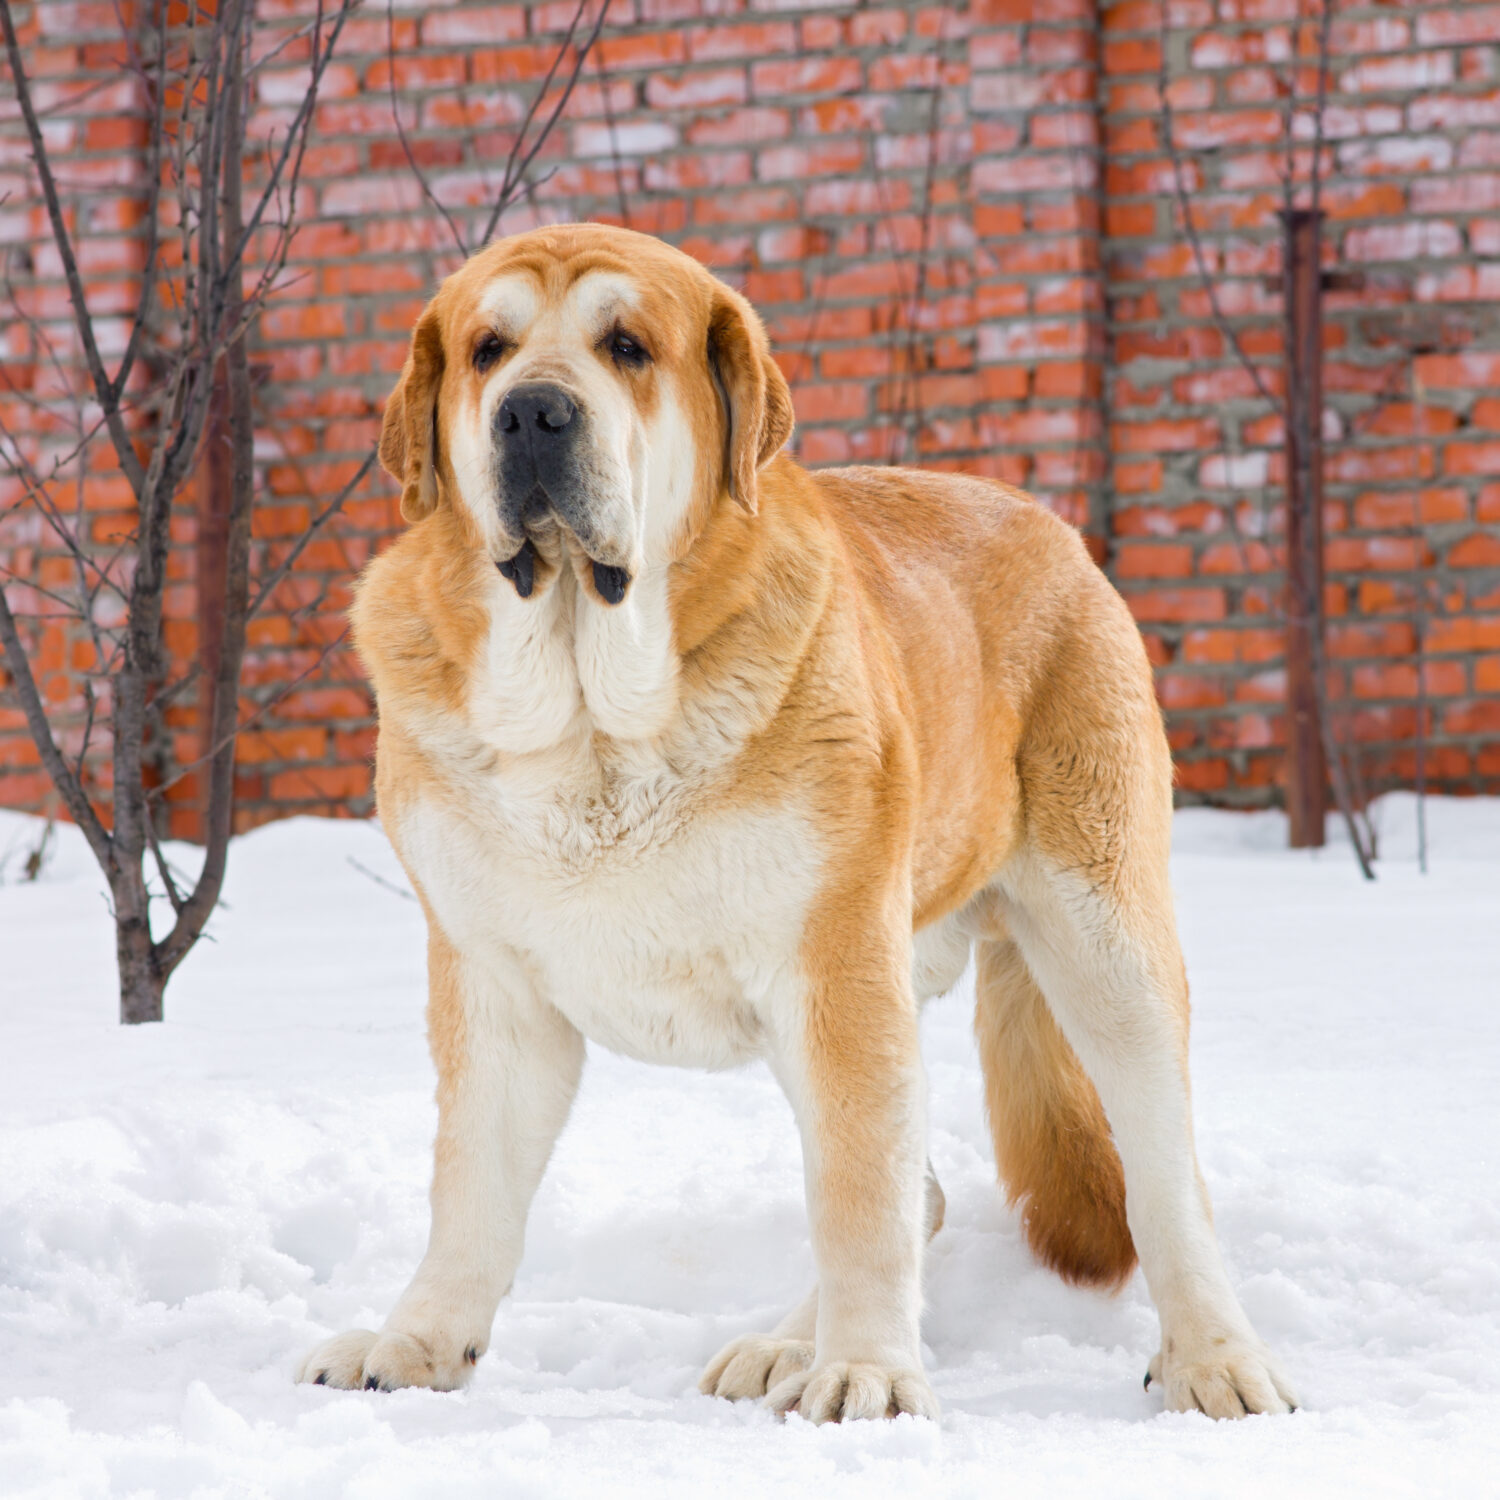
<point>627,138</point>
<point>1404,74</point>
<point>1402,242</point>
<point>1202,775</point>
<point>1472,23</point>
<point>318,783</point>
<point>1177,604</point>
<point>1453,111</point>
<point>740,127</point>
<point>808,75</point>
<point>1478,550</point>
<point>818,159</point>
<point>642,50</point>
<point>470,24</point>
<point>306,743</point>
<point>1132,560</point>
<point>702,89</point>
<point>1473,370</point>
<point>748,42</point>
<point>1482,458</point>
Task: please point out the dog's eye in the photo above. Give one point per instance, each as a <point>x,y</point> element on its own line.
<point>625,350</point>
<point>488,351</point>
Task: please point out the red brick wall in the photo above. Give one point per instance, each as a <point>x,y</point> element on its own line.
<point>960,225</point>
<point>1412,343</point>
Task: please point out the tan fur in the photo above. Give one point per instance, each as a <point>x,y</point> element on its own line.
<point>925,677</point>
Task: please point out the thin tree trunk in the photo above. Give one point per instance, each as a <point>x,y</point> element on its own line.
<point>141,980</point>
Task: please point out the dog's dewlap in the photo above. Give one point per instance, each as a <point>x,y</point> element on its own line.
<point>521,570</point>
<point>611,582</point>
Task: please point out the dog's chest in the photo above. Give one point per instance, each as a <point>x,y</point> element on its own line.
<point>659,923</point>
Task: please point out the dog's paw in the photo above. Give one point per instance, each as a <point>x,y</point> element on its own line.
<point>746,1368</point>
<point>1223,1376</point>
<point>851,1392</point>
<point>361,1360</point>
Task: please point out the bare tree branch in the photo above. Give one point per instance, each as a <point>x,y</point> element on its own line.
<point>80,809</point>
<point>614,141</point>
<point>274,578</point>
<point>411,160</point>
<point>159,792</point>
<point>1189,225</point>
<point>521,156</point>
<point>103,387</point>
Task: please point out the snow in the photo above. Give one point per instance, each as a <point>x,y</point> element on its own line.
<point>185,1209</point>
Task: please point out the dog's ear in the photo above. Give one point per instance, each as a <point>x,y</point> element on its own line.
<point>408,437</point>
<point>755,391</point>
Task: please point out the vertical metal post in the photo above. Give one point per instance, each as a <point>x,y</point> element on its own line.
<point>1306,772</point>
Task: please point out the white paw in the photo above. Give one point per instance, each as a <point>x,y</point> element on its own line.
<point>852,1392</point>
<point>361,1360</point>
<point>746,1368</point>
<point>1221,1375</point>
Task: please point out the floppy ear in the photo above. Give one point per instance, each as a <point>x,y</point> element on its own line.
<point>408,437</point>
<point>760,404</point>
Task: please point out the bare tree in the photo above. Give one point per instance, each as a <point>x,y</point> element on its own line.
<point>212,253</point>
<point>540,117</point>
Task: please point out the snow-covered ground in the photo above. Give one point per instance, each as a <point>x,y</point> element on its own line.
<point>185,1208</point>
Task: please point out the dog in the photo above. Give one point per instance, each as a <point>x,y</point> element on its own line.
<point>707,757</point>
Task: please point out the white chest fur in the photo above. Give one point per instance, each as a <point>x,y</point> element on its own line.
<point>617,873</point>
<point>560,664</point>
<point>663,936</point>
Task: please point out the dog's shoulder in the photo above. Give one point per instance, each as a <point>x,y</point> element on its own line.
<point>418,620</point>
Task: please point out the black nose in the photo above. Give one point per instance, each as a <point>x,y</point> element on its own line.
<point>542,408</point>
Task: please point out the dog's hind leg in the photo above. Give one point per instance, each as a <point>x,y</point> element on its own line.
<point>1088,902</point>
<point>747,1367</point>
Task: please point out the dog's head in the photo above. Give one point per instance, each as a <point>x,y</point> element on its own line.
<point>583,396</point>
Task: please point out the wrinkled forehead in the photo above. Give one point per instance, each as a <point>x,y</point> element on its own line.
<point>515,302</point>
<point>570,301</point>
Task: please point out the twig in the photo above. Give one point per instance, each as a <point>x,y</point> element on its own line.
<point>156,793</point>
<point>517,164</point>
<point>411,160</point>
<point>23,684</point>
<point>169,885</point>
<point>909,418</point>
<point>614,142</point>
<point>380,880</point>
<point>1190,228</point>
<point>273,580</point>
<point>83,320</point>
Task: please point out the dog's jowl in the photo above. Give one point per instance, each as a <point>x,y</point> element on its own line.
<point>709,758</point>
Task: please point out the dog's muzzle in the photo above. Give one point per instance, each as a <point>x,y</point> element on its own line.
<point>539,432</point>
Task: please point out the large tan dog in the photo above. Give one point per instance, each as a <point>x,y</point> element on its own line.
<point>709,758</point>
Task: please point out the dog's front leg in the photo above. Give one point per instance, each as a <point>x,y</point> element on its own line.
<point>848,1054</point>
<point>508,1066</point>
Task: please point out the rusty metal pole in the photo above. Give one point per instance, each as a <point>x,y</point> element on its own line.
<point>1306,772</point>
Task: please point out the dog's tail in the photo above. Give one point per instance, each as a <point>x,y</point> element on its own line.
<point>1053,1146</point>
